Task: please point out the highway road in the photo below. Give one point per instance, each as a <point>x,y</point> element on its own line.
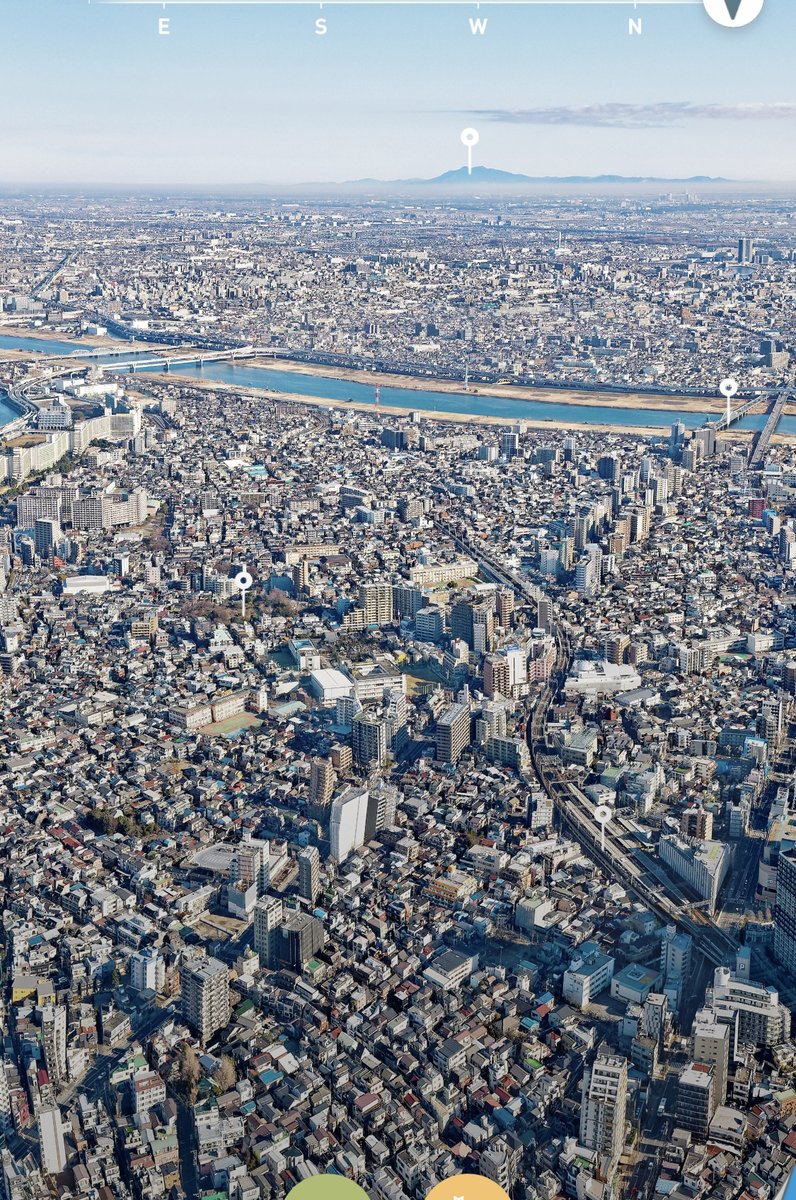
<point>762,441</point>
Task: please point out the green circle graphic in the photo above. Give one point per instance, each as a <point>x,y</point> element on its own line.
<point>327,1187</point>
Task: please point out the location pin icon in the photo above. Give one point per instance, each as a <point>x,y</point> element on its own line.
<point>728,388</point>
<point>469,138</point>
<point>603,815</point>
<point>244,581</point>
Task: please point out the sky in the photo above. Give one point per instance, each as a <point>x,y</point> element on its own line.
<point>248,96</point>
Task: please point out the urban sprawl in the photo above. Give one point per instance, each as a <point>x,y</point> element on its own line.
<point>380,794</point>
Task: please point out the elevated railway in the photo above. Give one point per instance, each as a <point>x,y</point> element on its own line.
<point>613,847</point>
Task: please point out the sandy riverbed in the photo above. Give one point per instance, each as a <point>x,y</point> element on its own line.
<point>85,342</point>
<point>658,401</point>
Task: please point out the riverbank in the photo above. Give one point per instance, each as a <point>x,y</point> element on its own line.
<point>571,395</point>
<point>87,341</point>
<point>657,401</point>
<point>209,385</point>
<point>335,387</point>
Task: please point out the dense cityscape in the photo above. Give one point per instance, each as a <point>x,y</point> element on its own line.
<point>392,794</point>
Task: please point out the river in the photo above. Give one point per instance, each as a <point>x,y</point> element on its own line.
<point>327,387</point>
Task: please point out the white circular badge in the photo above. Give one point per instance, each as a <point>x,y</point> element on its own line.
<point>733,14</point>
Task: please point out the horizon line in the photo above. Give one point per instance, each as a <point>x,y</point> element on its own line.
<point>607,178</point>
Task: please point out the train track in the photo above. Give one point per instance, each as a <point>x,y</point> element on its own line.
<point>612,847</point>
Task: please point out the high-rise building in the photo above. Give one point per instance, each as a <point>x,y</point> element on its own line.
<point>249,876</point>
<point>609,467</point>
<point>300,574</point>
<point>377,601</point>
<point>321,789</point>
<point>461,622</point>
<point>785,911</point>
<point>147,970</point>
<point>6,1111</point>
<point>544,614</point>
<point>504,603</point>
<point>346,708</point>
<point>655,1016</point>
<point>752,1010</point>
<point>51,1141</point>
<point>616,648</point>
<point>581,529</point>
<point>710,1043</point>
<point>746,250</point>
<point>429,623</point>
<point>702,864</point>
<point>348,822</point>
<point>496,675</point>
<point>697,823</point>
<point>382,803</point>
<point>40,502</point>
<point>676,438</point>
<point>205,996</point>
<point>771,722</point>
<point>309,863</point>
<point>46,534</point>
<point>675,953</point>
<point>396,711</point>
<point>285,940</point>
<point>509,444</point>
<point>453,733</point>
<point>407,599</point>
<point>53,1035</point>
<point>295,940</point>
<point>267,919</point>
<point>603,1105</point>
<point>696,1098</point>
<point>483,628</point>
<point>369,734</point>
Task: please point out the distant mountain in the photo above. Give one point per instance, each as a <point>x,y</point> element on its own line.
<point>481,176</point>
<point>478,175</point>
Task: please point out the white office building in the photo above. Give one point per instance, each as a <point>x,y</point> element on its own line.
<point>348,822</point>
<point>603,1106</point>
<point>588,975</point>
<point>703,865</point>
<point>147,970</point>
<point>751,1009</point>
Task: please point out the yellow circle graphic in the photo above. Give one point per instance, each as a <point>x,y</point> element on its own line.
<point>467,1187</point>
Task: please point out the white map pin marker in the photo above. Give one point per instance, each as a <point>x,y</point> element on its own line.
<point>728,388</point>
<point>603,815</point>
<point>469,139</point>
<point>243,580</point>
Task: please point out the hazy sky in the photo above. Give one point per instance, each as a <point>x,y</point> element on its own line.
<point>250,95</point>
